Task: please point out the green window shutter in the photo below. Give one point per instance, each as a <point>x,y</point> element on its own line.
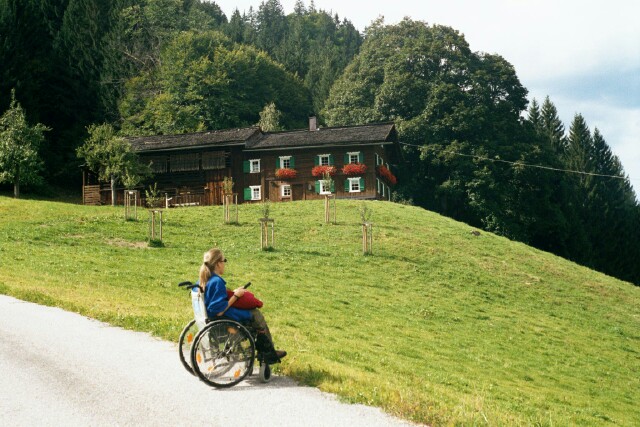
<point>247,194</point>
<point>246,167</point>
<point>292,163</point>
<point>346,185</point>
<point>346,159</point>
<point>333,186</point>
<point>316,161</point>
<point>317,187</point>
<point>361,157</point>
<point>361,184</point>
<point>330,159</point>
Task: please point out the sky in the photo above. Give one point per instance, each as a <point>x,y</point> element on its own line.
<point>583,54</point>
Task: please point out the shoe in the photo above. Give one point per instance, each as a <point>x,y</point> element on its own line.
<point>273,357</point>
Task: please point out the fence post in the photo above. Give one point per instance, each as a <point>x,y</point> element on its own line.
<point>265,244</point>
<point>128,195</point>
<point>155,222</point>
<point>367,238</point>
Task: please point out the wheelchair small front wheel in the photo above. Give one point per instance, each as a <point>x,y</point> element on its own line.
<point>187,337</point>
<point>223,353</point>
<point>265,372</point>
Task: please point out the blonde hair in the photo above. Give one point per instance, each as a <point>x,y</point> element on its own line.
<point>209,261</point>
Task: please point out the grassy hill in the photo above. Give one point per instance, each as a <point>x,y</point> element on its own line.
<point>438,326</point>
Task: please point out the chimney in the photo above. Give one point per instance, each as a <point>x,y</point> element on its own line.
<point>313,125</point>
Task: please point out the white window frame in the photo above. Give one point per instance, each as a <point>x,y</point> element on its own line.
<point>324,156</point>
<point>254,166</point>
<point>383,186</point>
<point>378,185</point>
<point>352,182</point>
<point>255,196</point>
<point>284,189</point>
<point>325,188</point>
<point>285,159</point>
<point>356,154</point>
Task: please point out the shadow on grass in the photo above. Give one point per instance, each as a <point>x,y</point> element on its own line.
<point>314,377</point>
<point>47,195</point>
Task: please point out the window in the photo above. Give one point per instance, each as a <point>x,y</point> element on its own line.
<point>285,162</point>
<point>254,166</point>
<point>379,160</point>
<point>354,157</point>
<point>158,164</point>
<point>322,187</point>
<point>324,159</point>
<point>256,193</point>
<point>355,185</point>
<point>185,162</point>
<point>214,160</point>
<point>286,191</point>
<point>378,185</point>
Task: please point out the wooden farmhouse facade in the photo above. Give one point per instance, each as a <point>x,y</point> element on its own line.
<point>189,169</point>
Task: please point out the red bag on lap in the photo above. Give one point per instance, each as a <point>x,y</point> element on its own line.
<point>247,302</point>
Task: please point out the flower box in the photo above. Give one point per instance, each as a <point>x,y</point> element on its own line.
<point>286,173</point>
<point>387,175</point>
<point>319,171</point>
<point>353,169</point>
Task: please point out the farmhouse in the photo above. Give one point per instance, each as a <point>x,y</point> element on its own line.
<point>189,169</point>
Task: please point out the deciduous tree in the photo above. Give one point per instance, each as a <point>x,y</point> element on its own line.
<point>19,145</point>
<point>110,156</point>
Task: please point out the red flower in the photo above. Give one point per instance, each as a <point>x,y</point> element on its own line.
<point>286,173</point>
<point>319,171</point>
<point>387,175</point>
<point>352,169</point>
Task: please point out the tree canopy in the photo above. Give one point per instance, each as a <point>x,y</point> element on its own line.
<point>20,162</point>
<point>207,82</point>
<point>110,156</point>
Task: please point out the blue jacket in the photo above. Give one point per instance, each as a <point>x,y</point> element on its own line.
<point>215,299</point>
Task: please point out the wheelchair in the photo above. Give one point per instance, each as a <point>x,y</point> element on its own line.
<point>221,352</point>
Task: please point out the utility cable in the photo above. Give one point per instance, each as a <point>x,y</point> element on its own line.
<point>525,164</point>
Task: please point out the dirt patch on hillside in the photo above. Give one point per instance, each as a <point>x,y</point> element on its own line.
<point>125,244</point>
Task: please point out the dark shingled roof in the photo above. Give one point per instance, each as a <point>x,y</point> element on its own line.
<point>348,135</point>
<point>200,139</point>
<point>254,139</point>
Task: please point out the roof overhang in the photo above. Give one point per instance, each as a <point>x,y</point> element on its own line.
<point>189,148</point>
<point>305,147</point>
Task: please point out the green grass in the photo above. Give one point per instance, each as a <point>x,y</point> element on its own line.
<point>438,326</point>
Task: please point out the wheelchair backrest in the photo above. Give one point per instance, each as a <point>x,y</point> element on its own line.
<point>199,309</point>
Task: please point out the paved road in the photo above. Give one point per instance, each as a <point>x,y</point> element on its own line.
<point>60,368</point>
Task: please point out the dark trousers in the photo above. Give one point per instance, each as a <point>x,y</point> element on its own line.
<point>259,324</point>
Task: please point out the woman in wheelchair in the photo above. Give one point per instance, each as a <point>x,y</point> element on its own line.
<point>217,304</point>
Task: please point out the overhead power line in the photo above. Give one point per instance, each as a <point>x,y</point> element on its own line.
<point>455,153</point>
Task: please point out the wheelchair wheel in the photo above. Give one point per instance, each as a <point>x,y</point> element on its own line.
<point>187,337</point>
<point>265,372</point>
<point>223,353</point>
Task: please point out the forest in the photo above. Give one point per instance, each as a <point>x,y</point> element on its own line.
<point>475,148</point>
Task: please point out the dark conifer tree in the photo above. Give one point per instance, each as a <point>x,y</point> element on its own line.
<point>235,29</point>
<point>552,126</point>
<point>534,116</point>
